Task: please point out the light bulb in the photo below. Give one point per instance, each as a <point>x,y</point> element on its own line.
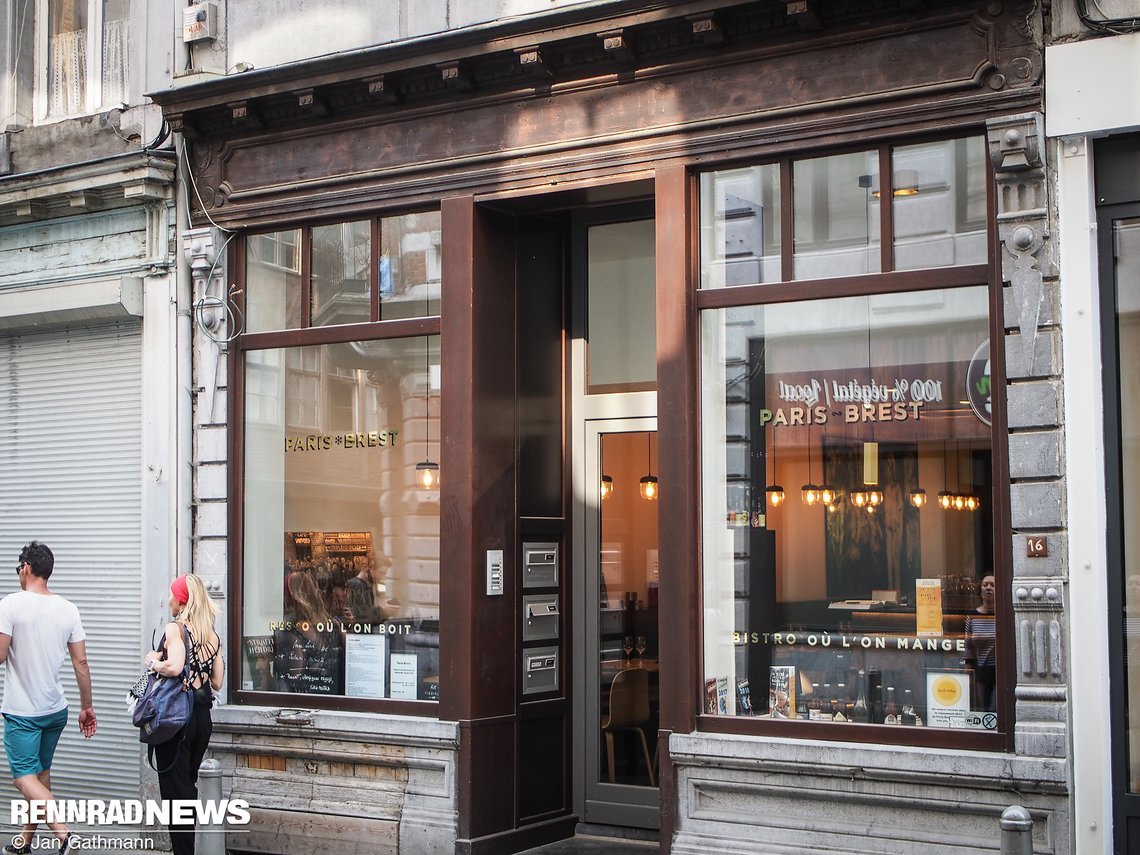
<point>918,497</point>
<point>649,488</point>
<point>428,473</point>
<point>809,493</point>
<point>607,487</point>
<point>945,500</point>
<point>775,495</point>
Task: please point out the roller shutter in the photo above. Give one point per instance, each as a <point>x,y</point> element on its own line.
<point>70,475</point>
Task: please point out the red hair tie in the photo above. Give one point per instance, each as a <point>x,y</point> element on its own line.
<point>180,590</point>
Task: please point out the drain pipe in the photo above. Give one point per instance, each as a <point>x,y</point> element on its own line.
<point>184,378</point>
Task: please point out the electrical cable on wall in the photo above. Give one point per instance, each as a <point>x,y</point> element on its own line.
<point>234,319</point>
<point>1113,26</point>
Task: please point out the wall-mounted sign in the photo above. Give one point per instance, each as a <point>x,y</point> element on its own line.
<point>327,441</point>
<point>1037,546</point>
<point>978,382</point>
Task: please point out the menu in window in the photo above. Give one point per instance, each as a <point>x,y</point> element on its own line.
<point>402,676</point>
<point>928,606</point>
<point>364,671</point>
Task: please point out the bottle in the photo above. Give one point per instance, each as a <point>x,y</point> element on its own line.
<point>878,713</point>
<point>832,703</point>
<point>875,694</point>
<point>859,712</point>
<point>815,705</point>
<point>891,711</point>
<point>841,709</point>
<point>908,717</point>
<point>801,708</point>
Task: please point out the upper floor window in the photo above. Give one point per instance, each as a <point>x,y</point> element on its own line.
<point>82,61</point>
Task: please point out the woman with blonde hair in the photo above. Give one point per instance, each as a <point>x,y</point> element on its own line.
<point>177,760</point>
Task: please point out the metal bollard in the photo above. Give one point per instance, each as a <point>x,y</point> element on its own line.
<point>210,839</point>
<point>1016,831</point>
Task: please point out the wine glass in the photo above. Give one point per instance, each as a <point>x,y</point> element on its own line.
<point>627,646</point>
<point>641,644</point>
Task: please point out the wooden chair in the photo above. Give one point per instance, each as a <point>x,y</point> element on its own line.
<point>629,710</point>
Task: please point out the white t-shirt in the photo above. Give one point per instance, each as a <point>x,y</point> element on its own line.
<point>41,627</point>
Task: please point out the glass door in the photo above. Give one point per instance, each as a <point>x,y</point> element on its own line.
<point>619,596</point>
<point>1124,549</point>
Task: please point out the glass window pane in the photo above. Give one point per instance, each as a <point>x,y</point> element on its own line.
<point>740,226</point>
<point>621,334</point>
<point>340,273</point>
<point>116,56</point>
<point>940,204</point>
<point>273,281</point>
<point>836,204</point>
<point>1126,234</point>
<point>341,541</point>
<point>409,274</point>
<point>67,57</point>
<point>857,596</point>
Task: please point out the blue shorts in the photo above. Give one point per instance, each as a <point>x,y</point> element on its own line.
<point>30,741</point>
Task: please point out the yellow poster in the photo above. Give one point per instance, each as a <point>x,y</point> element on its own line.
<point>928,606</point>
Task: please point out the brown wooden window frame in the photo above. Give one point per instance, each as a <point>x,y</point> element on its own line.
<point>889,280</point>
<point>303,336</point>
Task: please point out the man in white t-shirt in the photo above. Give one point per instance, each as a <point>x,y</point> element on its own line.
<point>38,629</point>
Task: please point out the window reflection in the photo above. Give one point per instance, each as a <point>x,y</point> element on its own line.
<point>836,204</point>
<point>856,599</point>
<point>341,545</point>
<point>941,223</point>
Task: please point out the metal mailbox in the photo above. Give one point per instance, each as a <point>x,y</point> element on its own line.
<point>541,617</point>
<point>540,670</point>
<point>540,565</point>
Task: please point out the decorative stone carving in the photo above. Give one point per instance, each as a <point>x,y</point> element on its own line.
<point>1016,146</point>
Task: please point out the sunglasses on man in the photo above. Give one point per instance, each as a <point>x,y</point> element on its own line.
<point>20,566</point>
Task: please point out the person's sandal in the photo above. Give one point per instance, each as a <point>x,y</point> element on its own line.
<point>14,849</point>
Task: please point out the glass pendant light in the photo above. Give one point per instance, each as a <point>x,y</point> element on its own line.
<point>607,487</point>
<point>427,472</point>
<point>809,492</point>
<point>945,497</point>
<point>918,497</point>
<point>649,486</point>
<point>774,493</point>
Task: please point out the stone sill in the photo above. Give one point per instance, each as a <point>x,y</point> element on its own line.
<point>329,724</point>
<point>849,760</point>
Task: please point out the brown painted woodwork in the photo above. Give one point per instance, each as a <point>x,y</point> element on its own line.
<point>478,647</point>
<point>695,100</point>
<point>677,406</point>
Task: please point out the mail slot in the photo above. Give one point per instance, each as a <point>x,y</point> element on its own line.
<point>541,617</point>
<point>540,670</point>
<point>540,565</point>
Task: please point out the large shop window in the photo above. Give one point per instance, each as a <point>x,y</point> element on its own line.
<point>340,443</point>
<point>847,455</point>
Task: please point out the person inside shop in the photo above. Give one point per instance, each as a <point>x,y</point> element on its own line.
<point>307,652</point>
<point>981,647</point>
<point>368,604</point>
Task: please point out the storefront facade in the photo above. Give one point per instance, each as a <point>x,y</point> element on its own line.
<point>536,330</point>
